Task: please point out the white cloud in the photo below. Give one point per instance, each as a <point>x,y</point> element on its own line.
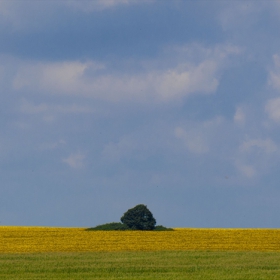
<point>240,116</point>
<point>267,145</point>
<point>274,74</point>
<point>248,170</point>
<point>61,76</point>
<point>92,5</point>
<point>7,11</point>
<point>49,112</point>
<point>75,161</point>
<point>44,108</point>
<point>242,15</point>
<point>255,156</point>
<point>272,108</point>
<point>163,85</point>
<point>92,79</point>
<point>193,140</point>
<point>176,82</point>
<point>115,151</point>
<point>33,15</point>
<point>28,14</point>
<point>51,145</point>
<point>200,137</point>
<point>140,144</point>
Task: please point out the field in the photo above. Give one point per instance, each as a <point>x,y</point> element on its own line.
<point>74,253</point>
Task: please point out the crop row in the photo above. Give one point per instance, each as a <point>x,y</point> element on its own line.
<point>46,239</point>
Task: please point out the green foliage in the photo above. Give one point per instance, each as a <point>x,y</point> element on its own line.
<point>121,226</point>
<point>110,226</point>
<point>136,218</point>
<point>162,228</point>
<point>139,218</point>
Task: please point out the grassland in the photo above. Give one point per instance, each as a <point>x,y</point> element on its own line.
<point>141,265</point>
<point>74,253</point>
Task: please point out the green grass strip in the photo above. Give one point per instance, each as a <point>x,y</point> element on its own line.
<point>141,265</point>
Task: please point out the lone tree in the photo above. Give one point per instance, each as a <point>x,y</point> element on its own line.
<point>139,217</point>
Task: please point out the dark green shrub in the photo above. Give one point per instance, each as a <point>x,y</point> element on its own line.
<point>162,228</point>
<point>110,226</point>
<point>136,218</point>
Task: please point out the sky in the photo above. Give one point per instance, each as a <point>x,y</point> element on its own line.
<point>107,104</point>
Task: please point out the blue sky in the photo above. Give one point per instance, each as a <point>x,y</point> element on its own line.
<point>109,104</point>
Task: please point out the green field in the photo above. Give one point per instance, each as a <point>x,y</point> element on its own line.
<point>141,265</point>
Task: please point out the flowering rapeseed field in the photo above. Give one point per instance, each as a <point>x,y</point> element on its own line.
<point>46,239</point>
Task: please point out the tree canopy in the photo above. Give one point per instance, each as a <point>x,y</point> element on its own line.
<point>139,217</point>
<point>136,218</point>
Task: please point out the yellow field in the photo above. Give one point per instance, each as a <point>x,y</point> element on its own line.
<point>46,239</point>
